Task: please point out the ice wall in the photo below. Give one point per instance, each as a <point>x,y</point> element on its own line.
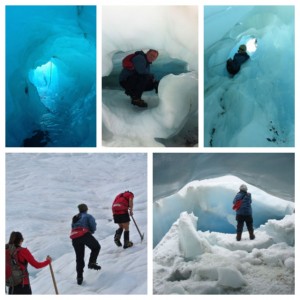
<point>211,201</point>
<point>256,107</point>
<point>173,32</point>
<point>65,35</point>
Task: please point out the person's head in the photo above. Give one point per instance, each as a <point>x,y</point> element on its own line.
<point>152,55</point>
<point>243,188</point>
<point>242,48</point>
<point>82,207</point>
<point>16,238</point>
<point>128,195</point>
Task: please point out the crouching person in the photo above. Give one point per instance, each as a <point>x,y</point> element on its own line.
<point>83,226</point>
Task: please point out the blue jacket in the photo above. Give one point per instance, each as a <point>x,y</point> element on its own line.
<point>85,220</point>
<point>245,208</point>
<point>141,66</point>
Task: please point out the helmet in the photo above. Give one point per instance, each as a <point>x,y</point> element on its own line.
<point>243,188</point>
<point>243,48</point>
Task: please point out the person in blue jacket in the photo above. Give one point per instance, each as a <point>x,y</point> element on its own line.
<point>83,226</point>
<point>136,77</point>
<point>244,213</point>
<point>234,65</point>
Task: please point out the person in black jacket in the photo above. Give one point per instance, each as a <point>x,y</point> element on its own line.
<point>234,65</point>
<point>135,76</point>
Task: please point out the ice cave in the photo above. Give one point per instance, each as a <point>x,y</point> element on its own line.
<point>171,118</point>
<point>255,108</point>
<point>51,76</point>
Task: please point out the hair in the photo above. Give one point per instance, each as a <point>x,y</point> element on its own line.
<point>82,207</point>
<point>15,238</point>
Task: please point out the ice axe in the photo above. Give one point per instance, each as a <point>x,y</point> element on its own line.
<point>141,235</point>
<point>53,279</point>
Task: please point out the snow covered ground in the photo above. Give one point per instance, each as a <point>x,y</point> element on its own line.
<point>42,194</point>
<point>191,260</point>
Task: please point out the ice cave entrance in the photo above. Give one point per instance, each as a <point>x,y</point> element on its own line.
<point>45,79</point>
<point>250,42</point>
<point>163,66</point>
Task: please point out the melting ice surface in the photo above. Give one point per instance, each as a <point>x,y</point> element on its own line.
<point>51,76</point>
<point>172,116</point>
<point>255,107</point>
<point>196,251</point>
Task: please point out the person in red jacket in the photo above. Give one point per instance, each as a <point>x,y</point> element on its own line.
<point>24,257</point>
<point>121,205</point>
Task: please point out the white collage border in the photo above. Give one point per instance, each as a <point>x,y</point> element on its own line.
<point>149,150</point>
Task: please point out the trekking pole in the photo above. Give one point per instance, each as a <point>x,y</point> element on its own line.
<point>141,235</point>
<point>53,279</point>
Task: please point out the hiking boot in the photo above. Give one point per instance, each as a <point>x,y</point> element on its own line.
<point>117,242</point>
<point>94,266</point>
<point>139,102</point>
<point>238,236</point>
<point>127,244</point>
<point>117,237</point>
<point>79,280</point>
<point>251,235</point>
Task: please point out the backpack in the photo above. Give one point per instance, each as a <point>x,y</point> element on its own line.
<point>14,274</point>
<point>127,60</point>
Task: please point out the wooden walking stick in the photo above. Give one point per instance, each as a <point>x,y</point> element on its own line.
<point>53,279</point>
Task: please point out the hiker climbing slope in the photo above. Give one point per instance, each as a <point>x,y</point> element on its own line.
<point>122,203</point>
<point>83,226</point>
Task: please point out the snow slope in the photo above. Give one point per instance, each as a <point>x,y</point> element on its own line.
<point>42,194</point>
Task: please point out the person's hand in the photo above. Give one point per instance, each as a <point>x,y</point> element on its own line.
<point>131,212</point>
<point>49,258</point>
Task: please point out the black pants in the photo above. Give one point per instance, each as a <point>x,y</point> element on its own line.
<point>240,222</point>
<point>79,247</point>
<point>136,84</point>
<point>20,290</point>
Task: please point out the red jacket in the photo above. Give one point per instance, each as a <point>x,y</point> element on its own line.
<point>121,203</point>
<point>25,257</point>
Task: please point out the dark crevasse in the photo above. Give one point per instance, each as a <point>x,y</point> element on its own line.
<point>51,76</point>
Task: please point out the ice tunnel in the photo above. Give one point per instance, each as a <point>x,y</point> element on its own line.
<point>211,201</point>
<point>51,76</point>
<point>255,108</point>
<point>172,116</point>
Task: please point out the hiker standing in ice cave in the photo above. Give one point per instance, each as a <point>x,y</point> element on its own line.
<point>135,76</point>
<point>242,205</point>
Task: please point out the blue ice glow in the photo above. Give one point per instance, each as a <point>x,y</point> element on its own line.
<point>45,78</point>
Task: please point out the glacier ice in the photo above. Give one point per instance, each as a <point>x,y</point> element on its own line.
<point>256,107</point>
<point>51,75</point>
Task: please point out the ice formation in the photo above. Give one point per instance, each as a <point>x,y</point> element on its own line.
<point>256,107</point>
<point>51,76</point>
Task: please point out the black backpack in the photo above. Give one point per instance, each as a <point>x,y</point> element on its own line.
<point>14,275</point>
